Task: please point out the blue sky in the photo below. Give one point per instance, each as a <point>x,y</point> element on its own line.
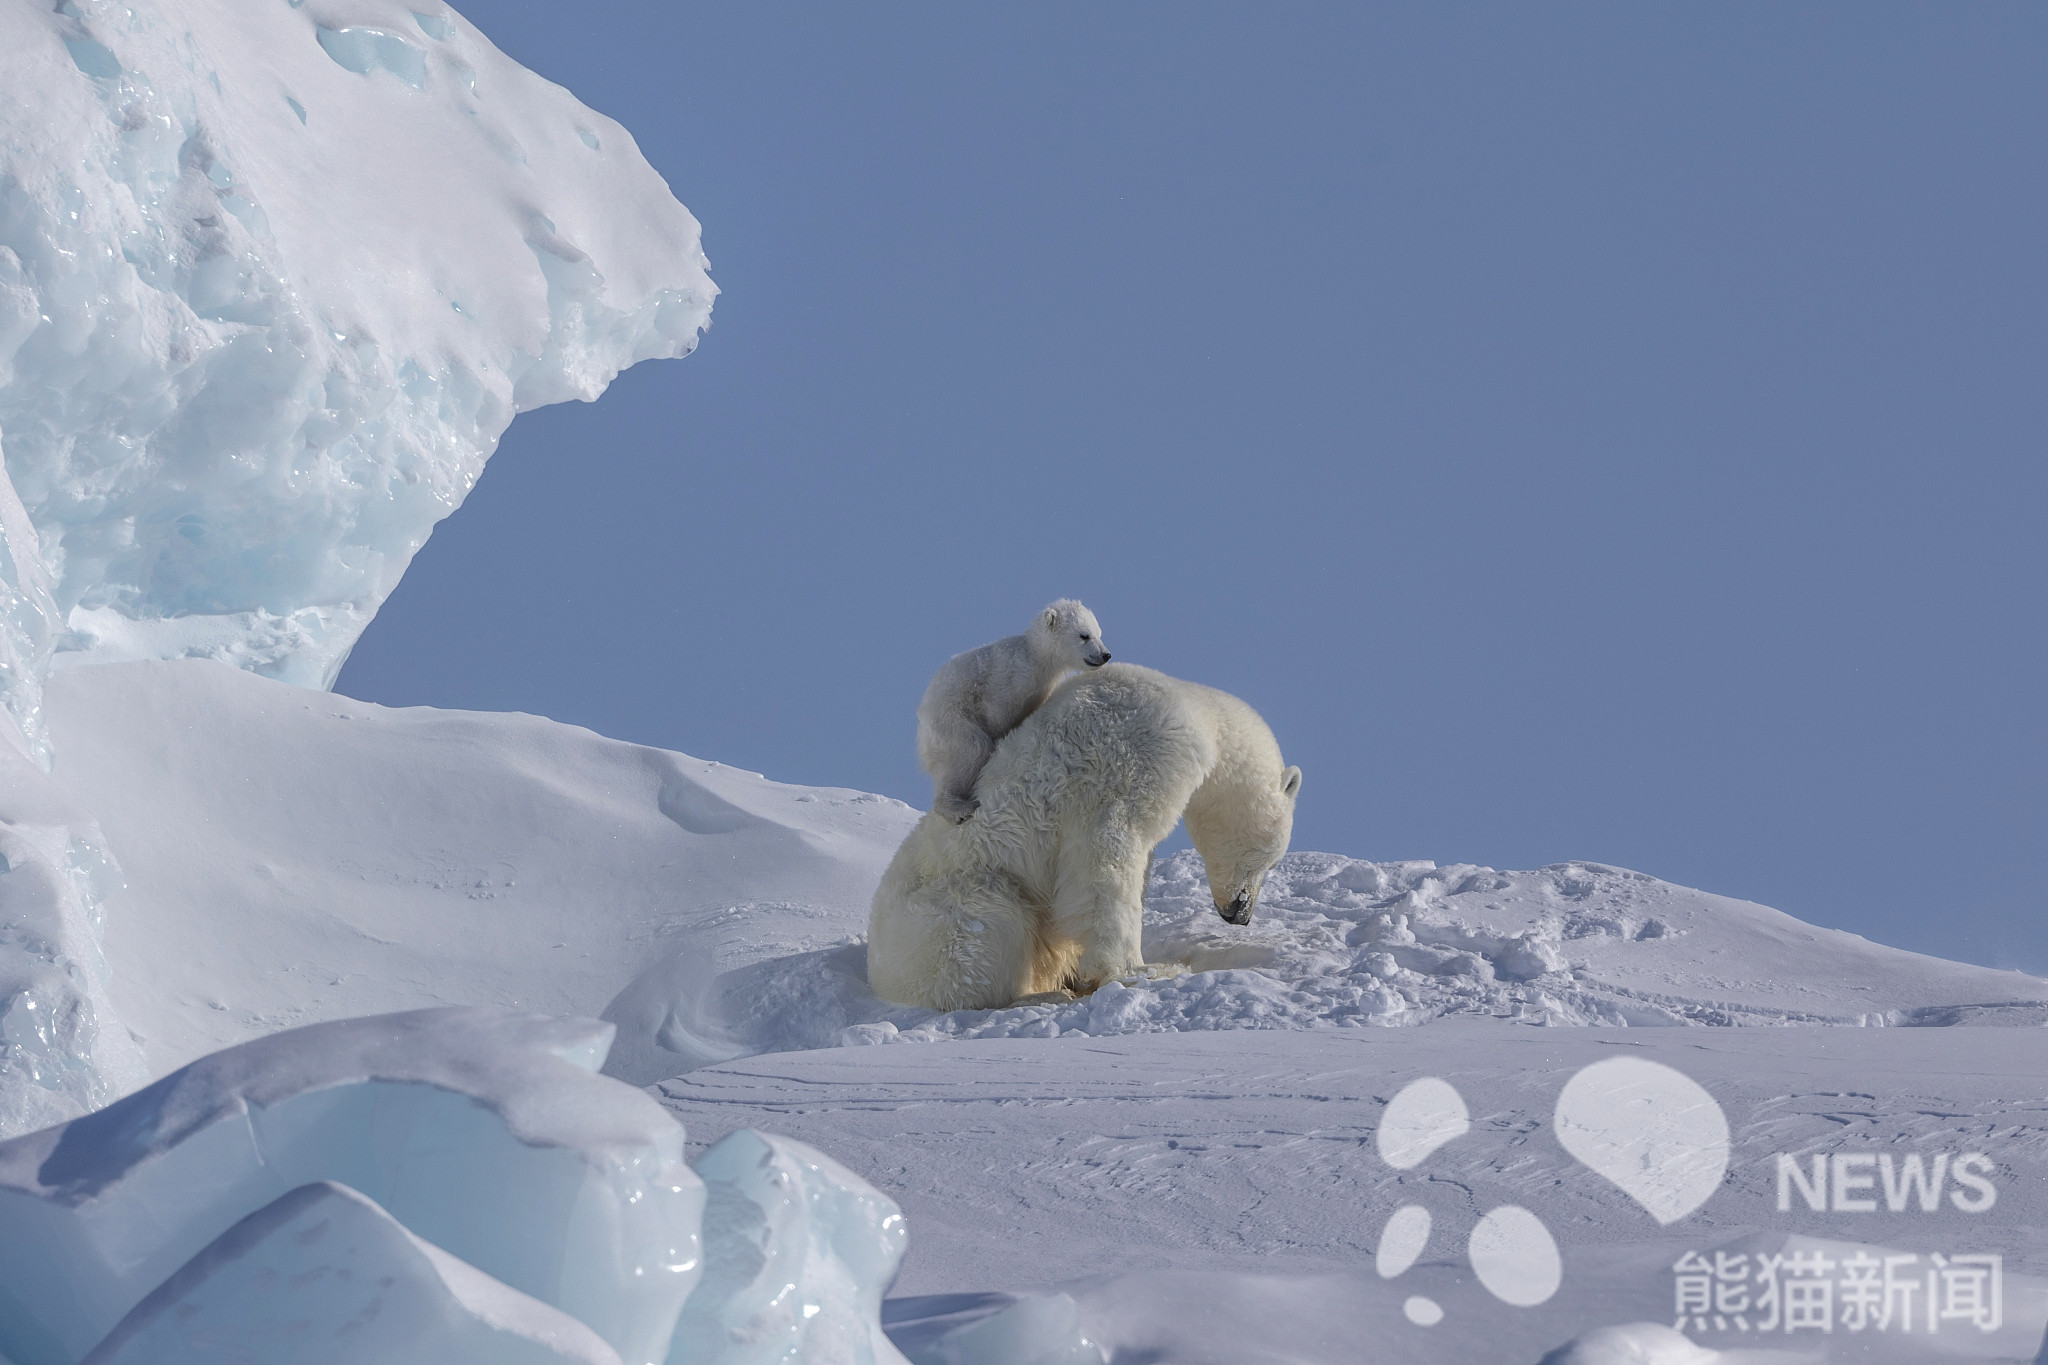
<point>1584,431</point>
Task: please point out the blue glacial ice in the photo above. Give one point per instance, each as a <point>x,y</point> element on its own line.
<point>978,1329</point>
<point>798,1251</point>
<point>464,1171</point>
<point>320,1276</point>
<point>487,1134</point>
<point>63,1048</point>
<point>273,280</point>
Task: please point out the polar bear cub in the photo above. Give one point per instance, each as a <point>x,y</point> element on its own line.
<point>982,695</point>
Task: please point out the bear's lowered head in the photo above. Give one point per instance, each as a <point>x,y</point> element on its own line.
<point>1242,817</point>
<point>1067,632</point>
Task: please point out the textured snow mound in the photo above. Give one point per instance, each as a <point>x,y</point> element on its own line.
<point>1341,943</point>
<point>484,1133</point>
<point>274,278</point>
<point>322,1276</point>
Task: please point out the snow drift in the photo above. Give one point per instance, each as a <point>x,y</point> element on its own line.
<point>440,858</point>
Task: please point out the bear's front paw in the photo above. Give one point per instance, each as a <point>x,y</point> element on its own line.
<point>1155,971</point>
<point>1057,996</point>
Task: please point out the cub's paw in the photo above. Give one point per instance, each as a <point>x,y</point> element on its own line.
<point>956,808</point>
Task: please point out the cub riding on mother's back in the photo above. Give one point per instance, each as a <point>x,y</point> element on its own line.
<point>1043,891</point>
<point>982,695</point>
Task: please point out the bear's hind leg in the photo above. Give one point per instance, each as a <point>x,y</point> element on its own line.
<point>981,945</point>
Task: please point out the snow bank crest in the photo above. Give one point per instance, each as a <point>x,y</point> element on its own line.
<point>274,278</point>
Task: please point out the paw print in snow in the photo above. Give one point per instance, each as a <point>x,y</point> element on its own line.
<point>1647,1129</point>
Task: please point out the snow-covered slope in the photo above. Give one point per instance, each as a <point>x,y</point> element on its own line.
<point>274,277</point>
<point>293,856</point>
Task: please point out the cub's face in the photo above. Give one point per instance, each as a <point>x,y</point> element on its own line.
<point>1074,634</point>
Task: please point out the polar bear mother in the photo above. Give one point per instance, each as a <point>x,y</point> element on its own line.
<point>1044,889</point>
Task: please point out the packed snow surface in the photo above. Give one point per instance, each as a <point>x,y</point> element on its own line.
<point>1227,1198</point>
<point>274,277</point>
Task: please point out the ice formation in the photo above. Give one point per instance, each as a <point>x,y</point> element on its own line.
<point>274,277</point>
<point>452,1185</point>
<point>63,1048</point>
<point>485,1134</point>
<point>798,1251</point>
<point>322,1276</point>
<point>1037,1329</point>
<point>1632,1343</point>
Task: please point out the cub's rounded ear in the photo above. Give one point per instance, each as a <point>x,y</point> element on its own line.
<point>1290,782</point>
<point>1052,618</point>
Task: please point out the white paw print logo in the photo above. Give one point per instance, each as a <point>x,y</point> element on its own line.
<point>1650,1130</point>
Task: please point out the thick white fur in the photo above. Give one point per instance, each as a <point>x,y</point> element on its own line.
<point>982,695</point>
<point>1044,889</point>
